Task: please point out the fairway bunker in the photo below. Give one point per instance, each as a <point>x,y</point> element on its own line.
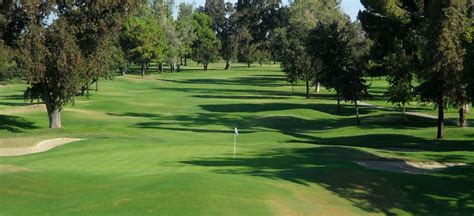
<point>42,146</point>
<point>409,167</point>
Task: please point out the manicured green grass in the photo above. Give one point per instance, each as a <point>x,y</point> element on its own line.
<point>162,144</point>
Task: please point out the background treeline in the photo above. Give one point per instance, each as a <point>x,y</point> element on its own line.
<point>424,48</point>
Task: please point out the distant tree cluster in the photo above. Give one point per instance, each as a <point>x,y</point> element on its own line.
<point>425,50</point>
<point>60,47</point>
<point>321,46</point>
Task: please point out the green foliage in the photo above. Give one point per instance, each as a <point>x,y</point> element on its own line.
<point>216,10</point>
<point>143,40</point>
<point>335,46</point>
<point>247,50</point>
<point>206,46</point>
<point>52,63</point>
<point>295,61</point>
<point>7,64</point>
<point>469,59</point>
<point>185,29</point>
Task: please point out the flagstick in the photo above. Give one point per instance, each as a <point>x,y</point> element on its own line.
<point>235,141</point>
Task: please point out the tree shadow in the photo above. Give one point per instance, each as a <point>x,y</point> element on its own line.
<point>244,92</point>
<point>15,124</point>
<point>262,81</point>
<point>345,110</point>
<point>384,141</point>
<point>372,191</point>
<point>239,97</point>
<point>16,100</point>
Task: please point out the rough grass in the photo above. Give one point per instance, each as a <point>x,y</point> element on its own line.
<point>163,145</point>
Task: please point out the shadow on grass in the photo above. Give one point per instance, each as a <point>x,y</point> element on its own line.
<point>15,100</point>
<point>345,110</point>
<point>264,81</point>
<point>370,190</point>
<point>15,124</point>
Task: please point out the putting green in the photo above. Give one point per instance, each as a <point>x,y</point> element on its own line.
<point>163,144</point>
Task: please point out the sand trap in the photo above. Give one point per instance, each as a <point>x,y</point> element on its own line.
<point>42,146</point>
<point>410,167</point>
<point>6,168</point>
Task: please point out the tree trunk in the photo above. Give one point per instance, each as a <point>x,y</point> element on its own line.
<point>441,106</point>
<point>87,90</point>
<point>248,65</point>
<point>54,115</point>
<point>97,84</point>
<point>185,61</point>
<point>317,87</point>
<point>292,88</point>
<point>178,68</point>
<point>338,101</point>
<point>307,89</point>
<point>143,68</point>
<point>227,65</point>
<point>402,109</point>
<point>205,66</point>
<point>462,115</point>
<point>160,67</point>
<point>357,112</point>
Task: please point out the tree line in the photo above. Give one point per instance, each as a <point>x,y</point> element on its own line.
<point>424,48</point>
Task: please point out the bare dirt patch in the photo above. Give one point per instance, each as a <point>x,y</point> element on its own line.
<point>42,146</point>
<point>7,168</point>
<point>410,167</point>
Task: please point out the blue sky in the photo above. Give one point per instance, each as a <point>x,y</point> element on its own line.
<point>350,7</point>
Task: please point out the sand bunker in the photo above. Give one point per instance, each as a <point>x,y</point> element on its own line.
<point>410,167</point>
<point>42,146</point>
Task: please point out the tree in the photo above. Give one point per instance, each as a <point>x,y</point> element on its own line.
<point>206,46</point>
<point>7,63</point>
<point>185,29</point>
<point>247,51</point>
<point>401,89</point>
<point>51,55</point>
<point>216,9</point>
<point>254,21</point>
<point>467,92</point>
<point>295,61</point>
<point>228,40</point>
<point>443,56</point>
<point>142,40</point>
<point>354,87</point>
<point>328,44</point>
<point>393,27</point>
<point>52,62</point>
<point>337,46</point>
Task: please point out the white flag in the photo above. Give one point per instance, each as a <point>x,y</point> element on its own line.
<point>236,131</point>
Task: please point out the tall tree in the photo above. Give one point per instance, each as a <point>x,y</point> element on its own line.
<point>206,46</point>
<point>7,63</point>
<point>393,26</point>
<point>142,40</point>
<point>51,54</point>
<point>337,46</point>
<point>247,50</point>
<point>443,55</point>
<point>216,9</point>
<point>228,40</point>
<point>52,62</point>
<point>185,29</point>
